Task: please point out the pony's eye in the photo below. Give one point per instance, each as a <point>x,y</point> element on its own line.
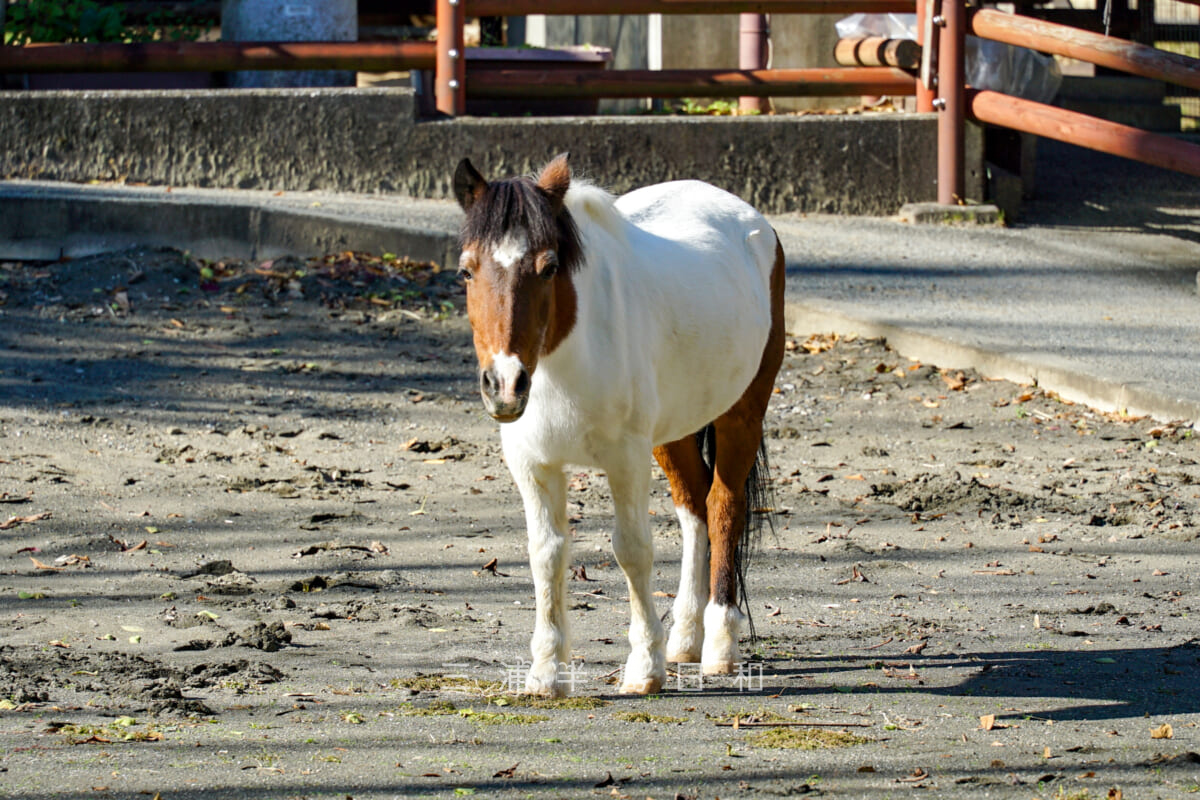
<point>464,274</point>
<point>548,264</point>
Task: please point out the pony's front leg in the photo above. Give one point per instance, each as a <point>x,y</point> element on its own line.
<point>544,491</point>
<point>629,480</point>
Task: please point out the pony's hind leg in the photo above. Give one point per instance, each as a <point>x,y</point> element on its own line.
<point>629,480</point>
<point>737,449</point>
<point>690,480</point>
<point>738,437</point>
<point>544,491</point>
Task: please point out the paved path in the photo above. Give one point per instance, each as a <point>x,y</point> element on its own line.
<point>1094,297</point>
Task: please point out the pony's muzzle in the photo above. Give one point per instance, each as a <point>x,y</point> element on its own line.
<point>505,392</point>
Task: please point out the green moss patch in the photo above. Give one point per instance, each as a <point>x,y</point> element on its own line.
<point>642,716</point>
<point>436,683</point>
<point>582,703</point>
<point>438,708</point>
<point>500,718</point>
<point>758,715</point>
<point>804,739</point>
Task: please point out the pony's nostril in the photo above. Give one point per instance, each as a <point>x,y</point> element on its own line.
<point>521,386</point>
<point>487,381</point>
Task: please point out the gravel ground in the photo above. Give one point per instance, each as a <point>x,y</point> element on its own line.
<point>257,540</point>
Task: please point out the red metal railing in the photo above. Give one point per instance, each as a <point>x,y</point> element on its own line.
<point>217,56</point>
<point>995,108</point>
<point>819,82</point>
<point>452,90</point>
<point>941,28</point>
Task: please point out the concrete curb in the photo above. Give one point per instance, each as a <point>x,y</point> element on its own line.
<point>40,220</point>
<point>1075,386</point>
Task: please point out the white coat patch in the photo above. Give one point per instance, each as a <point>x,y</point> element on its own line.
<point>511,250</point>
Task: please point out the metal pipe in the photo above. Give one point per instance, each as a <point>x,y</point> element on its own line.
<point>876,51</point>
<point>925,94</point>
<point>949,103</point>
<point>217,56</point>
<point>820,82</point>
<point>570,7</point>
<point>1063,40</point>
<point>1072,127</point>
<point>451,72</point>
<point>753,52</point>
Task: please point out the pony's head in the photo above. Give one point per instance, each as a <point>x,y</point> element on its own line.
<point>519,246</point>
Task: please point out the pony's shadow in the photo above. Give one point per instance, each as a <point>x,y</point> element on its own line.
<point>1075,686</point>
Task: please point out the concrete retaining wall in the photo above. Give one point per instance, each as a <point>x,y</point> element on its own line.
<point>368,140</point>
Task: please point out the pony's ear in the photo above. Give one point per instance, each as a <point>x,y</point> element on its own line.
<point>469,185</point>
<point>556,179</point>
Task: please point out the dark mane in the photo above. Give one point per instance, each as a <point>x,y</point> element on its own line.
<point>520,204</point>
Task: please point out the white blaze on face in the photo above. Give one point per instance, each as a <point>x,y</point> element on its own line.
<point>507,367</point>
<point>511,250</point>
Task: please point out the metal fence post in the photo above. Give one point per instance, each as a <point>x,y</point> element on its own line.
<point>949,102</point>
<point>753,49</point>
<point>451,70</point>
<point>925,94</point>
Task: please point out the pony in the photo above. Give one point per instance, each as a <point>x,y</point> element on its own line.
<point>608,329</point>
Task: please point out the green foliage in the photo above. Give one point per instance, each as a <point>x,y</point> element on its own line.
<point>717,108</point>
<point>90,21</point>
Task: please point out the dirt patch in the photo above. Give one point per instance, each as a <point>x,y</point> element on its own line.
<point>258,509</point>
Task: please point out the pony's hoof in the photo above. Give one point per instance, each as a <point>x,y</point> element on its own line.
<point>683,658</point>
<point>541,686</point>
<point>648,686</point>
<point>721,668</point>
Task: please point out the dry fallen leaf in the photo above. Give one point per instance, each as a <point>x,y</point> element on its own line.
<point>15,521</point>
<point>1164,731</point>
<point>987,721</point>
<point>491,567</point>
<point>916,776</point>
<point>955,382</point>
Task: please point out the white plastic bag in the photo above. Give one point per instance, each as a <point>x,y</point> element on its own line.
<point>1018,71</point>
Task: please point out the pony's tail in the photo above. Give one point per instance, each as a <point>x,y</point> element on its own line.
<point>759,511</point>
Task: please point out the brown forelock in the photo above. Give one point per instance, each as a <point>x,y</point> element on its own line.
<point>519,204</point>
